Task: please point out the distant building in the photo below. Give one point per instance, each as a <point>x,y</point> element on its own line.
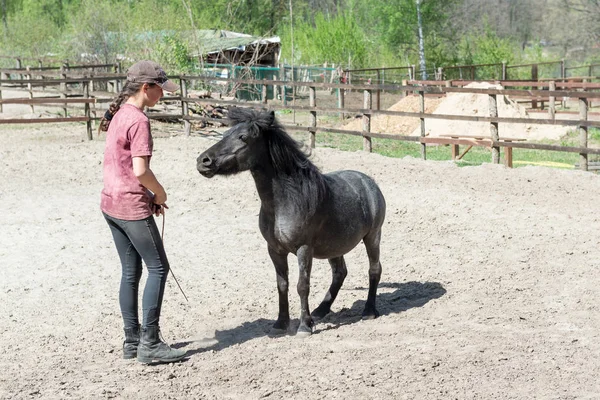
<point>224,47</point>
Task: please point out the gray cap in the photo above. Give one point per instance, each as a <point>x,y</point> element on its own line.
<point>150,72</point>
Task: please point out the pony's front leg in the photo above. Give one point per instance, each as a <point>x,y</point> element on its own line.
<point>281,268</point>
<point>305,257</point>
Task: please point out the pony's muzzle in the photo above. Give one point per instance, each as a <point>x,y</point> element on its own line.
<point>204,165</point>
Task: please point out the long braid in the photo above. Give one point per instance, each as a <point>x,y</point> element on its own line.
<point>129,89</point>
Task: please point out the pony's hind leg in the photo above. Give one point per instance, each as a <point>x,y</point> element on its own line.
<point>372,245</point>
<point>338,272</point>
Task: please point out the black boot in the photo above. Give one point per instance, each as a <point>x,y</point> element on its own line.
<point>153,349</point>
<point>132,340</point>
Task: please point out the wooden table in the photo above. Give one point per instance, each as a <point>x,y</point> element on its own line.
<point>479,140</point>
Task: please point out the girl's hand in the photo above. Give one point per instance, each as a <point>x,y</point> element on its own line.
<point>159,209</point>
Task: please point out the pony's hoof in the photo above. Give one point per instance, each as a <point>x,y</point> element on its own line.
<point>280,327</point>
<point>303,333</point>
<point>370,314</point>
<point>275,332</point>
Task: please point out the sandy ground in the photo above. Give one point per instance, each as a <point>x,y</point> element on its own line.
<point>489,290</point>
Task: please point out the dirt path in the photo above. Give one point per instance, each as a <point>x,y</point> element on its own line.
<point>489,291</point>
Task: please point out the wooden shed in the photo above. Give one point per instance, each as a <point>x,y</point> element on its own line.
<point>226,47</point>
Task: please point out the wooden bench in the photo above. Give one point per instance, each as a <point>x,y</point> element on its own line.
<point>455,140</point>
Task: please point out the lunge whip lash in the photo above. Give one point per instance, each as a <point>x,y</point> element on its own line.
<point>162,236</point>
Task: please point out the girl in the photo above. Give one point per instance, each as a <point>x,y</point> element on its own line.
<point>130,196</point>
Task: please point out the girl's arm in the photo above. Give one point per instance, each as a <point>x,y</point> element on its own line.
<point>142,171</point>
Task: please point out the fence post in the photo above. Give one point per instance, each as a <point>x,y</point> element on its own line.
<point>504,71</point>
<point>534,77</point>
<point>185,107</point>
<point>19,66</point>
<point>583,132</point>
<point>93,106</point>
<point>40,65</point>
<point>283,88</point>
<point>552,100</point>
<point>367,105</point>
<point>88,114</point>
<point>63,86</point>
<point>494,128</point>
<point>112,84</point>
<point>422,121</point>
<point>118,81</point>
<point>313,117</point>
<point>440,74</point>
<point>378,90</point>
<point>29,87</point>
<point>264,93</point>
<point>341,101</point>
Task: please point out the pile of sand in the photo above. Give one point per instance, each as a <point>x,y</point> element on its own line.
<point>468,104</point>
<point>398,125</point>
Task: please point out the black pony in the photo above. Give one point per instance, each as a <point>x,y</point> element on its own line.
<point>302,211</point>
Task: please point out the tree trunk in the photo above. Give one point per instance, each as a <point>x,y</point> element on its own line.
<point>421,42</point>
<point>4,22</point>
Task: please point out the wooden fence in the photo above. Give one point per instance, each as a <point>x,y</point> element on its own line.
<point>549,70</point>
<point>544,91</point>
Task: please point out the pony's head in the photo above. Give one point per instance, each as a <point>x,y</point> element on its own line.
<point>257,142</point>
<point>255,139</point>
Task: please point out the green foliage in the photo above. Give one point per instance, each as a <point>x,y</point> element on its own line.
<point>173,54</point>
<point>351,33</point>
<point>486,49</point>
<point>27,42</point>
<point>155,16</point>
<point>333,39</point>
<point>95,30</point>
<point>394,25</point>
<point>255,17</point>
<point>594,134</point>
<point>53,10</point>
<point>438,54</point>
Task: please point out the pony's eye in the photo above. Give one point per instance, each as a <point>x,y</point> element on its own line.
<point>243,137</point>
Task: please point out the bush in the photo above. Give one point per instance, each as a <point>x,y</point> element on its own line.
<point>26,41</point>
<point>95,30</point>
<point>338,40</point>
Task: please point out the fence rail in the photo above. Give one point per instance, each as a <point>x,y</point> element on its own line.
<point>583,92</point>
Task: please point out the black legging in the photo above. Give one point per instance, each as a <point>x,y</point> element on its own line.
<point>137,241</point>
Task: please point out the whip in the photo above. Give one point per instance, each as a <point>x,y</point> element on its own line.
<point>162,236</point>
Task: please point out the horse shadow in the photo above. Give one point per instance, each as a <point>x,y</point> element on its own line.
<point>405,296</point>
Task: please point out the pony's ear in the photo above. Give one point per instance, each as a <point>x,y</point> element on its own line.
<point>271,117</point>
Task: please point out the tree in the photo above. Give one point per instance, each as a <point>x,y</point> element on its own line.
<point>422,64</point>
<point>4,15</point>
<point>586,14</point>
<point>336,40</point>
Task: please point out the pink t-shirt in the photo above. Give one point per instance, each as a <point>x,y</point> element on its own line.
<point>128,136</point>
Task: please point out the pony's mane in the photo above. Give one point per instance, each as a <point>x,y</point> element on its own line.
<point>302,180</point>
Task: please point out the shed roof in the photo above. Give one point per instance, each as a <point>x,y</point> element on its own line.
<point>217,40</point>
